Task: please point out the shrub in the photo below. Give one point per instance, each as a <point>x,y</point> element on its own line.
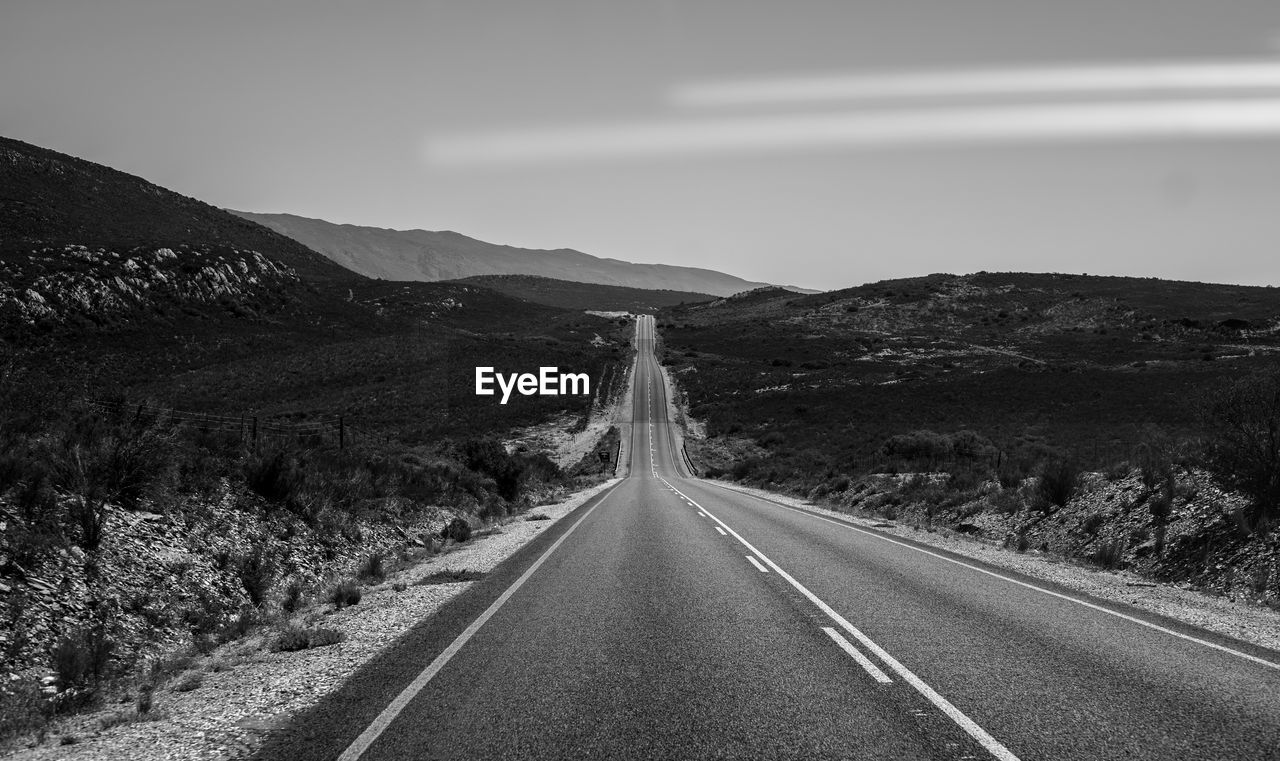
<point>188,681</point>
<point>256,570</point>
<point>344,594</point>
<point>457,530</point>
<point>371,570</point>
<point>104,460</point>
<point>1058,482</point>
<point>537,517</point>
<point>450,577</point>
<point>1109,555</point>
<point>293,638</point>
<point>143,702</point>
<point>274,476</point>
<point>292,599</point>
<point>1243,452</point>
<point>80,660</point>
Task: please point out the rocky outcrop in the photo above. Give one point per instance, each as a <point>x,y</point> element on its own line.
<point>58,285</point>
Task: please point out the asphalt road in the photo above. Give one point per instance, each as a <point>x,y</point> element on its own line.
<point>674,618</point>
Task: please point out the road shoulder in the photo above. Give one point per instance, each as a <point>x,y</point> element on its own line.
<point>249,694</point>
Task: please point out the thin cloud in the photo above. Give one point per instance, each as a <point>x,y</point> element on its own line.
<point>1157,78</point>
<point>868,130</point>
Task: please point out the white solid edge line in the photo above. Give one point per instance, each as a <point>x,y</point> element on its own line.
<point>991,744</point>
<point>388,715</point>
<point>1002,577</point>
<point>857,655</point>
<point>756,563</point>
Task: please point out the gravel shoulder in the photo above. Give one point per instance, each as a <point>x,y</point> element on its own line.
<point>1248,623</point>
<point>246,689</point>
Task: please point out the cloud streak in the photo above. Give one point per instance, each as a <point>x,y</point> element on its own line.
<point>1220,118</point>
<point>1155,78</point>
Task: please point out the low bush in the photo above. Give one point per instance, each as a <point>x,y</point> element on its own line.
<point>457,530</point>
<point>80,661</point>
<point>188,681</point>
<point>371,570</point>
<point>292,599</point>
<point>1059,481</point>
<point>256,571</point>
<point>344,594</point>
<point>450,577</point>
<point>294,639</point>
<point>1108,555</point>
<point>1243,451</point>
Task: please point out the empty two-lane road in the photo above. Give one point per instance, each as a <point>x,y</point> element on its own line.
<point>672,617</point>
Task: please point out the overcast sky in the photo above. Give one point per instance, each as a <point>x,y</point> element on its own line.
<point>822,144</point>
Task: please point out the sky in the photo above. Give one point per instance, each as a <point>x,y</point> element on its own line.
<point>820,144</point>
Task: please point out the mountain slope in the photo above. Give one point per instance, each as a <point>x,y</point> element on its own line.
<point>427,255</point>
<point>572,295</point>
<point>51,199</point>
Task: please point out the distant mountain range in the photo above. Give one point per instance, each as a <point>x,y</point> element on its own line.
<point>585,296</point>
<point>427,255</point>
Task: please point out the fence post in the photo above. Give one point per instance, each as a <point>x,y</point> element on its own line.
<point>342,432</point>
<point>255,433</point>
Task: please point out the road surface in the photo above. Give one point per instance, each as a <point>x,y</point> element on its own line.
<point>674,618</point>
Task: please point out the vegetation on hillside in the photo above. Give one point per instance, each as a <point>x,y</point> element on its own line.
<point>574,295</point>
<point>991,403</point>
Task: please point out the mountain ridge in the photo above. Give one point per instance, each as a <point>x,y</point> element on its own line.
<point>418,254</point>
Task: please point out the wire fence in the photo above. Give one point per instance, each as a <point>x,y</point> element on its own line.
<point>333,430</point>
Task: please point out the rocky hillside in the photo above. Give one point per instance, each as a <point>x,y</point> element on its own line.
<point>445,255</point>
<point>76,286</point>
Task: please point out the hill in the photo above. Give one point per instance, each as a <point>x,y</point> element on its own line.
<point>51,200</point>
<point>111,285</point>
<point>585,296</point>
<point>1030,361</point>
<point>1121,422</point>
<point>427,255</point>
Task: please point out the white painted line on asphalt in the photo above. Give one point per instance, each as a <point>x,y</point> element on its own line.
<point>857,655</point>
<point>721,531</point>
<point>388,715</point>
<point>702,513</point>
<point>991,744</point>
<point>756,563</point>
<point>1025,585</point>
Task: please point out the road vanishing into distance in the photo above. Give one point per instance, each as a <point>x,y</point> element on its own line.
<point>671,617</point>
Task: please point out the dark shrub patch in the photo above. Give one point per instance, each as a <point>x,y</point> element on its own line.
<point>344,594</point>
<point>371,570</point>
<point>457,530</point>
<point>1058,482</point>
<point>450,577</point>
<point>294,638</point>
